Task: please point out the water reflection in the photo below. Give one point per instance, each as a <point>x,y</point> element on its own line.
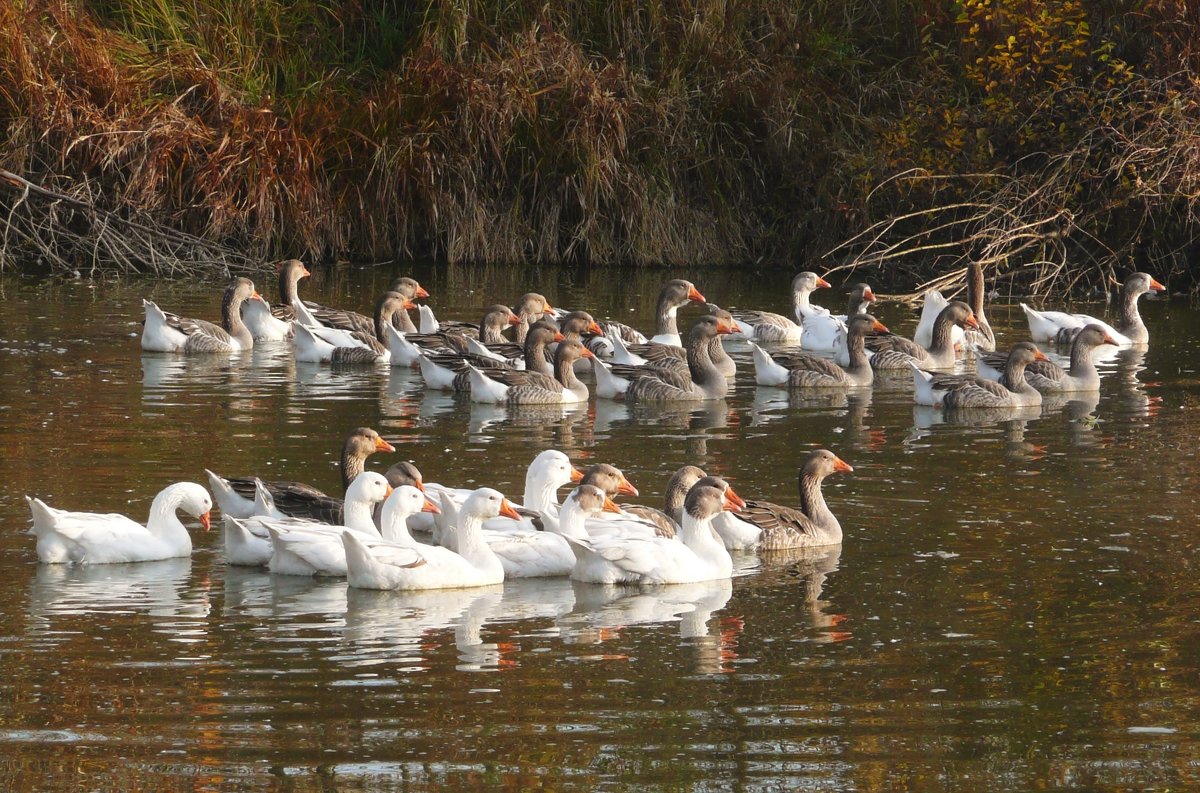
<point>159,589</point>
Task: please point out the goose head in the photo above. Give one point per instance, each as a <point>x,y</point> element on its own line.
<point>488,503</point>
<point>239,291</point>
<point>591,500</point>
<point>1141,283</point>
<point>291,271</point>
<point>725,318</point>
<point>732,501</point>
<point>862,324</point>
<point>497,317</point>
<point>543,332</point>
<point>569,351</point>
<point>552,468</point>
<point>195,501</point>
<point>1025,353</point>
<point>861,294</point>
<point>364,442</point>
<point>532,304</point>
<point>609,479</point>
<point>368,488</point>
<point>1094,335</point>
<point>704,502</point>
<point>678,292</point>
<point>404,502</point>
<point>808,282</point>
<point>960,314</point>
<point>409,288</point>
<point>405,474</point>
<point>820,463</point>
<point>582,323</point>
<point>708,327</point>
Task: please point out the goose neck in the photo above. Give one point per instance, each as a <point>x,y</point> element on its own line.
<point>162,519</point>
<point>667,323</point>
<point>571,520</point>
<point>1082,363</point>
<point>812,504</point>
<point>231,317</point>
<point>700,363</point>
<point>1130,317</point>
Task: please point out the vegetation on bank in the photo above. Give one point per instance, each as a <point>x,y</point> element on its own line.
<point>1058,142</point>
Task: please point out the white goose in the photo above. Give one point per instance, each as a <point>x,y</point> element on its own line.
<point>1061,328</point>
<point>768,326</point>
<point>543,554</point>
<point>473,564</point>
<point>97,538</point>
<point>701,556</point>
<point>825,332</point>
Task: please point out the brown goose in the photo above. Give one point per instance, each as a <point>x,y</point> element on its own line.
<point>700,381</point>
<point>982,339</point>
<point>807,370</point>
<point>968,391</point>
<point>896,352</point>
<point>236,496</point>
<point>506,386</point>
<point>289,273</point>
<point>1050,378</point>
<point>674,295</point>
<point>667,355</point>
<point>451,372</point>
<point>811,525</point>
<point>407,348</point>
<point>334,345</point>
<point>666,520</point>
<point>529,309</point>
<point>1060,328</point>
<point>165,332</point>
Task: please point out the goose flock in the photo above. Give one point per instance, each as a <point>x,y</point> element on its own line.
<point>396,531</point>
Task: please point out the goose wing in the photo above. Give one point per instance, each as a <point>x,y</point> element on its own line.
<point>782,527</point>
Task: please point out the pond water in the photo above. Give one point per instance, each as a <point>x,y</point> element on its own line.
<point>1015,604</point>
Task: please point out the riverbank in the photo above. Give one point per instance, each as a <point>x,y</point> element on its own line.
<point>1056,143</point>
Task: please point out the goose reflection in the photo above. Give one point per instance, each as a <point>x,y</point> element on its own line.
<point>812,566</point>
<point>175,373</point>
<point>262,595</point>
<point>1131,399</point>
<point>160,589</point>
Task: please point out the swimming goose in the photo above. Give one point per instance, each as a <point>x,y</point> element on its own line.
<point>309,548</point>
<point>968,391</point>
<point>767,326</point>
<point>474,563</point>
<point>289,273</point>
<point>807,370</point>
<point>529,309</point>
<point>896,352</point>
<point>316,344</point>
<point>1060,328</point>
<point>810,526</point>
<point>824,332</point>
<point>235,495</point>
<point>165,332</point>
<point>528,553</point>
<point>982,340</point>
<point>274,322</point>
<point>1048,377</point>
<point>666,520</point>
<point>674,295</point>
<point>664,383</point>
<point>449,338</point>
<point>500,386</point>
<point>665,354</point>
<point>451,372</point>
<point>306,311</point>
<point>698,555</point>
<point>932,307</point>
<point>97,538</point>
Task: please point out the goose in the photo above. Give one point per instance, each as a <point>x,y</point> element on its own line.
<point>165,332</point>
<point>823,332</point>
<point>65,537</point>
<point>931,308</point>
<point>666,521</point>
<point>274,323</point>
<point>1048,377</point>
<point>982,340</point>
<point>969,391</point>
<point>766,326</point>
<point>495,319</point>
<point>309,548</point>
<point>675,294</point>
<point>308,312</point>
<point>810,526</point>
<point>289,273</point>
<point>701,381</point>
<point>474,563</point>
<point>545,554</point>
<point>807,370</point>
<point>529,309</point>
<point>451,372</point>
<point>665,354</point>
<point>315,344</point>
<point>896,352</point>
<point>1060,328</point>
<point>500,386</point>
<point>700,554</point>
<point>235,495</point>
<point>249,545</point>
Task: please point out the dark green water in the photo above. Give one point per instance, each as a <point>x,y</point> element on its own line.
<point>1015,605</point>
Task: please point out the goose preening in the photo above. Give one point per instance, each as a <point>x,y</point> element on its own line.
<point>99,538</point>
<point>675,294</point>
<point>669,383</point>
<point>767,326</point>
<point>897,352</point>
<point>807,370</point>
<point>697,555</point>
<point>235,495</point>
<point>969,391</point>
<point>1060,328</point>
<point>500,386</point>
<point>1048,377</point>
<point>472,564</point>
<point>669,355</point>
<point>166,332</point>
<point>812,524</point>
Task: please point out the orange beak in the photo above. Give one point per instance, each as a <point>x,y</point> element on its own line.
<point>506,509</point>
<point>586,353</point>
<point>558,336</point>
<point>1038,355</point>
<point>420,485</point>
<point>1110,340</point>
<point>595,329</point>
<point>822,283</point>
<point>421,291</point>
<point>546,307</point>
<point>724,327</point>
<point>626,487</point>
<point>306,273</point>
<point>695,296</point>
<point>971,322</point>
<point>576,474</point>
<point>256,296</point>
<point>429,506</point>
<point>610,506</point>
<point>409,305</point>
<point>383,446</point>
<point>1156,286</point>
<point>390,490</point>
<point>733,502</point>
<point>206,520</point>
<point>513,319</point>
<point>841,465</point>
<point>868,295</point>
<point>879,327</point>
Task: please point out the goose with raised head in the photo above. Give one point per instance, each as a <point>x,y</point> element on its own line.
<point>65,537</point>
<point>500,386</point>
<point>473,564</point>
<point>700,381</point>
<point>897,352</point>
<point>675,294</point>
<point>698,555</point>
<point>235,495</point>
<point>529,309</point>
<point>1048,377</point>
<point>969,391</point>
<point>661,355</point>
<point>983,339</point>
<point>810,526</point>
<point>807,370</point>
<point>767,326</point>
<point>166,332</point>
<point>1058,327</point>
